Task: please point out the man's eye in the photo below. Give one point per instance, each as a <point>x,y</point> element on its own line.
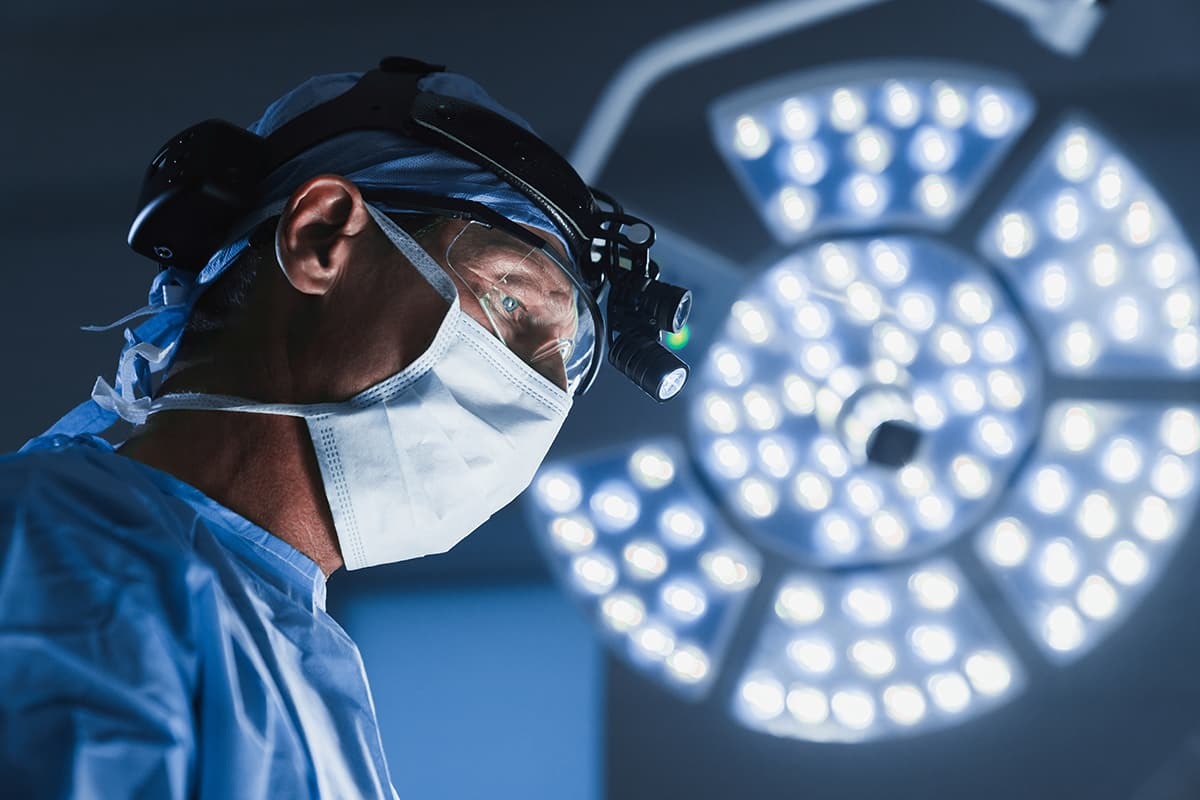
<point>509,303</point>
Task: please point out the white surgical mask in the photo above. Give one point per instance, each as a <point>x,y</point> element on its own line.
<point>418,461</point>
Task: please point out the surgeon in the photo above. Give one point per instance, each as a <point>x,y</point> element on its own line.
<point>374,359</point>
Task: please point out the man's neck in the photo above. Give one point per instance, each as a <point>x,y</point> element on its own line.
<point>260,466</point>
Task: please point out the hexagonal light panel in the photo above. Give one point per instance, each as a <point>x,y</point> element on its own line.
<point>876,422</point>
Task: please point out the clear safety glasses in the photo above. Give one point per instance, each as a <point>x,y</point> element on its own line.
<point>529,299</point>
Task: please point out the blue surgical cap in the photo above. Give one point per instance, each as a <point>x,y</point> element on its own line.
<point>371,159</point>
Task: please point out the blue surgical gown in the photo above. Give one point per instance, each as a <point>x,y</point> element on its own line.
<point>154,644</point>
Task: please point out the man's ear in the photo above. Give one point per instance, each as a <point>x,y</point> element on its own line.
<point>319,232</point>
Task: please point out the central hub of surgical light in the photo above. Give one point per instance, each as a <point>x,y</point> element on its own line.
<point>867,400</point>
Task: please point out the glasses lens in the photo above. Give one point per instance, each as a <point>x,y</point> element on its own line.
<point>528,298</point>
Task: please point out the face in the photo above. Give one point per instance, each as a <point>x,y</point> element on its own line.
<point>517,293</point>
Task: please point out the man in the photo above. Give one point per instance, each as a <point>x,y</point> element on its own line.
<point>396,369</point>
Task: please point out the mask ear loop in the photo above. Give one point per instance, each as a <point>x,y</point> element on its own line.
<point>125,403</point>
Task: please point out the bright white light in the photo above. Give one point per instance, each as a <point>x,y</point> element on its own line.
<point>831,456</point>
<point>681,525</point>
<point>951,344</point>
<point>868,605</point>
<point>896,343</point>
<point>1125,319</point>
<point>966,395</point>
<point>727,570</point>
<point>775,456</point>
<point>971,302</point>
<point>868,195</point>
<point>594,572</point>
<point>1015,237</point>
<point>1058,564</point>
<point>652,467</point>
<point>559,491</point>
<point>871,149</point>
<point>1164,270</point>
<point>838,534</point>
<point>811,320</point>
<point>1096,516</point>
<point>615,506</point>
<point>685,599</point>
<point>888,531</point>
<point>1062,628</point>
<point>933,150</point>
<point>995,435</point>
<point>949,106</point>
<point>1171,476</point>
<point>885,370</point>
<point>809,706</point>
<point>1076,159</point>
<point>762,411</point>
<point>928,409</point>
<point>993,114</point>
<point>988,671</point>
<point>750,137</point>
<point>1079,345</point>
<point>812,491</point>
<point>933,589</point>
<point>863,301</point>
<point>798,119</point>
<point>1053,286</point>
<point>754,323</point>
<point>847,111</point>
<point>890,264</point>
<point>799,396</point>
<point>1127,563</point>
<point>914,479</point>
<point>764,696</point>
<point>808,162</point>
<point>1139,225</point>
<point>720,415</point>
<point>819,359</point>
<point>1051,490</point>
<point>1122,460</point>
<point>1180,431</point>
<point>997,344</point>
<point>970,477</point>
<point>901,105</point>
<point>1104,267</point>
<point>623,611</point>
<point>1185,349</point>
<point>1109,187</point>
<point>757,498</point>
<point>933,644</point>
<point>797,207</point>
<point>1007,543</point>
<point>1077,429</point>
<point>811,655</point>
<point>1154,520</point>
<point>1066,218</point>
<point>1097,598</point>
<point>688,664</point>
<point>854,709</point>
<point>729,459</point>
<point>934,511</point>
<point>949,691</point>
<point>936,195</point>
<point>1005,389</point>
<point>904,703</point>
<point>644,559</point>
<point>837,265</point>
<point>864,496</point>
<point>654,641</point>
<point>874,657</point>
<point>731,367</point>
<point>1179,309</point>
<point>573,534</point>
<point>799,602</point>
<point>916,310</point>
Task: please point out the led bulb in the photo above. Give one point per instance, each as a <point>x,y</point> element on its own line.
<point>750,137</point>
<point>847,111</point>
<point>808,162</point>
<point>623,611</point>
<point>800,603</point>
<point>871,149</point>
<point>901,105</point>
<point>1007,543</point>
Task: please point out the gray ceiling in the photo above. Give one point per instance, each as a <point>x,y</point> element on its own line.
<point>91,92</point>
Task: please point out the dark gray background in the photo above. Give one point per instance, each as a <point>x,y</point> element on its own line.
<point>90,92</point>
